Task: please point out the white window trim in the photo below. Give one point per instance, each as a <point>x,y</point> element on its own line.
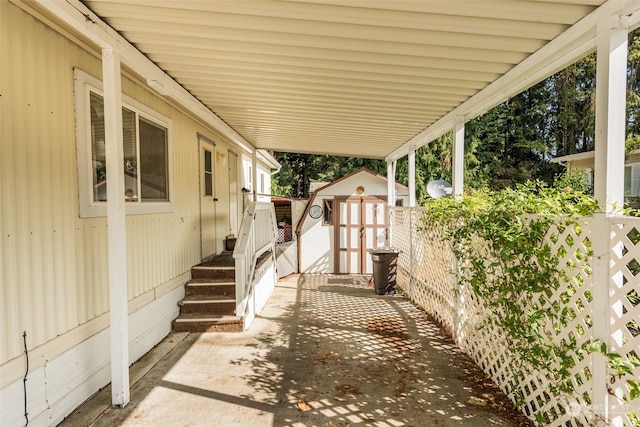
<point>83,84</point>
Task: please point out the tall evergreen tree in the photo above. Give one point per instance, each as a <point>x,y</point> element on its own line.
<point>572,107</point>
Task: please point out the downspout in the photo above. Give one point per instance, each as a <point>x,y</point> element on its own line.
<point>275,171</point>
<point>269,159</point>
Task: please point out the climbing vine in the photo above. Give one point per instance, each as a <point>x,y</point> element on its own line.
<point>503,242</point>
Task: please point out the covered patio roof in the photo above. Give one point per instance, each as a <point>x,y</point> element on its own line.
<point>372,79</point>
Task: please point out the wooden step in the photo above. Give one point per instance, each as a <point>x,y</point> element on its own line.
<point>200,272</point>
<point>205,306</point>
<point>210,288</point>
<point>209,303</point>
<point>195,323</point>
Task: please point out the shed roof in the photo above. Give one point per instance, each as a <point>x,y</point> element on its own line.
<point>356,172</point>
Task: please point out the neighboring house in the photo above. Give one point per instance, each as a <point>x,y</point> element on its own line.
<point>343,220</point>
<point>183,190</point>
<point>586,161</point>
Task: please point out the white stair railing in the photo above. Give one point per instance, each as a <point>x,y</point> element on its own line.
<point>258,235</point>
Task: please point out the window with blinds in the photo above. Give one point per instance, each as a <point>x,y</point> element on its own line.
<point>145,143</point>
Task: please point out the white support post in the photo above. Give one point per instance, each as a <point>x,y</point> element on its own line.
<point>391,183</point>
<point>116,233</point>
<point>391,196</point>
<point>412,177</point>
<point>457,191</point>
<point>608,186</point>
<point>458,157</point>
<point>412,203</point>
<point>611,79</point>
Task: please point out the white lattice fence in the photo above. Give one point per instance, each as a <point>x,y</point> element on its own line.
<point>624,303</point>
<point>400,238</point>
<point>427,268</point>
<point>572,246</point>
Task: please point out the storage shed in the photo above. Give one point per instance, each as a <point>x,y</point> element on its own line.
<point>343,220</point>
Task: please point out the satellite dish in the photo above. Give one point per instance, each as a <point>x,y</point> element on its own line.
<point>439,188</point>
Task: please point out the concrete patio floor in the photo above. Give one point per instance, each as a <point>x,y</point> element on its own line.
<point>326,351</point>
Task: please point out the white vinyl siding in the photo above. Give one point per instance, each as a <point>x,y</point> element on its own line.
<point>54,260</point>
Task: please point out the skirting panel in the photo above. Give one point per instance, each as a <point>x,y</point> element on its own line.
<point>62,384</point>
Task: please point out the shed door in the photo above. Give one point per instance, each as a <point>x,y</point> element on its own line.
<point>361,225</point>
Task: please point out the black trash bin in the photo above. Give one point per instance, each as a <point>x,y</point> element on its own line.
<point>385,266</point>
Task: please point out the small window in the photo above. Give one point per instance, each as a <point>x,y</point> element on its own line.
<point>208,173</point>
<point>145,148</point>
<point>327,212</point>
<point>399,203</point>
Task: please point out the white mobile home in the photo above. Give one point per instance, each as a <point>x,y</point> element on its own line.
<point>182,174</point>
<point>586,162</point>
<point>343,220</point>
<point>194,79</point>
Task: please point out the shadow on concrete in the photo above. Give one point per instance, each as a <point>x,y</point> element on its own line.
<point>326,351</point>
<point>348,356</point>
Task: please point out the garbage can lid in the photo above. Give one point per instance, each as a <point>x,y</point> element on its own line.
<point>384,250</point>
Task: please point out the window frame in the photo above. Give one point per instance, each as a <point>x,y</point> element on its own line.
<point>327,212</point>
<point>208,173</point>
<point>84,84</point>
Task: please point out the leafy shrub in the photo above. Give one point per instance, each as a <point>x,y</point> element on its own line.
<point>502,241</point>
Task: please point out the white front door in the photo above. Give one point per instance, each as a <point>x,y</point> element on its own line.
<point>235,203</point>
<point>361,225</point>
<point>207,198</point>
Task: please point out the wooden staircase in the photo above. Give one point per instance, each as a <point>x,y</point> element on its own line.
<point>209,303</point>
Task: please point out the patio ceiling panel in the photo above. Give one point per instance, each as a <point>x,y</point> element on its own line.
<point>337,77</point>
